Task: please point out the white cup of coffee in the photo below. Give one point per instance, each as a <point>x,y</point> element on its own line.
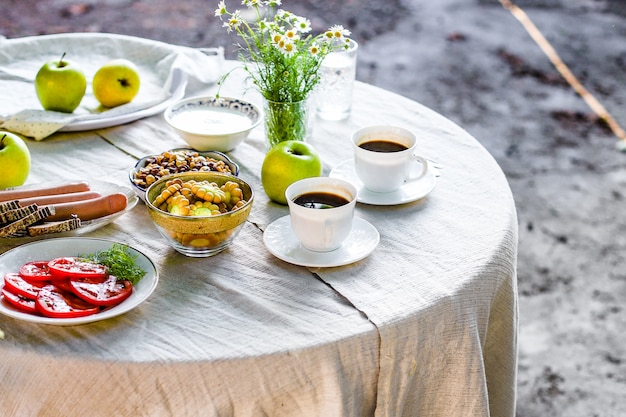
<point>321,211</point>
<point>384,157</point>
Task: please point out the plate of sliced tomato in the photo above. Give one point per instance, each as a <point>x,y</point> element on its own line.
<point>48,282</point>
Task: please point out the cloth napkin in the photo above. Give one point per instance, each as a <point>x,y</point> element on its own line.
<point>21,58</point>
<point>37,124</point>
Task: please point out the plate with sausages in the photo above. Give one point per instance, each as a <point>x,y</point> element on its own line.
<point>61,208</point>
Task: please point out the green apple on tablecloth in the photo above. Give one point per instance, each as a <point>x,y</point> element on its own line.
<point>60,85</point>
<point>14,160</point>
<point>116,82</point>
<point>286,163</point>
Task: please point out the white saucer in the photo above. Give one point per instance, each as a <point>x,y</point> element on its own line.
<point>283,243</point>
<point>411,191</point>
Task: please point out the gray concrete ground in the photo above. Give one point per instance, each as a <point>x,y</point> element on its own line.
<point>472,61</point>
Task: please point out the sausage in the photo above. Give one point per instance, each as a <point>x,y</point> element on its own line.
<point>44,200</point>
<point>17,194</point>
<point>89,209</point>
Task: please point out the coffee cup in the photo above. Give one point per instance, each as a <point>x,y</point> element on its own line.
<point>321,211</point>
<point>384,157</point>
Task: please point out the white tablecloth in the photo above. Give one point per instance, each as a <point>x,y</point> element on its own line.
<point>424,326</point>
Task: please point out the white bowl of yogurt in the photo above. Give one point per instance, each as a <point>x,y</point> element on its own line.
<point>213,124</point>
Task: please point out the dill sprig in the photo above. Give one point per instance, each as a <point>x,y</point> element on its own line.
<point>119,262</point>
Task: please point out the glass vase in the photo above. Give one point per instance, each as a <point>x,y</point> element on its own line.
<point>288,121</point>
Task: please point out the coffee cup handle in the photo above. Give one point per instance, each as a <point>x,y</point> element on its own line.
<point>424,163</point>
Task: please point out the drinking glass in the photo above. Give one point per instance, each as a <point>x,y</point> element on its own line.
<point>337,75</point>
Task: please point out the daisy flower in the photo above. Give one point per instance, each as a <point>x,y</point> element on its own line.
<point>303,24</point>
<point>314,49</point>
<point>337,32</point>
<point>276,38</point>
<point>292,35</point>
<point>221,9</point>
<point>251,3</point>
<point>233,22</point>
<point>289,48</point>
<point>264,26</point>
<point>282,14</point>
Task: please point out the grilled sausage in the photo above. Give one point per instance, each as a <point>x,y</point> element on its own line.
<point>89,209</point>
<point>17,194</point>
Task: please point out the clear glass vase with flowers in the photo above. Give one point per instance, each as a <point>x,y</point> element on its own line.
<point>282,58</point>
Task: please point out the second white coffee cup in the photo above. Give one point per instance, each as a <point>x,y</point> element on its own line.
<point>321,211</point>
<point>384,157</point>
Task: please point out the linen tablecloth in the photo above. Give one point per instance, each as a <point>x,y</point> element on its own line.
<point>424,326</point>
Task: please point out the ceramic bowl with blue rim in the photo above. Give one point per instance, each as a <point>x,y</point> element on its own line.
<point>210,123</point>
<point>151,168</point>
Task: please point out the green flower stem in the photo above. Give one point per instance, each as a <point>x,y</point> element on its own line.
<point>287,121</point>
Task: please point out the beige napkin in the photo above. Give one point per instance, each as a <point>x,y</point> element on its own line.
<point>37,124</point>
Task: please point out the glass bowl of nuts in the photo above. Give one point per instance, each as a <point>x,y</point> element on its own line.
<point>153,167</point>
<point>199,213</point>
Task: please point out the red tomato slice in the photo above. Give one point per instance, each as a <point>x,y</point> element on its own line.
<point>105,293</point>
<point>56,303</point>
<point>35,271</point>
<point>73,268</point>
<point>17,285</point>
<point>19,302</point>
<point>62,284</point>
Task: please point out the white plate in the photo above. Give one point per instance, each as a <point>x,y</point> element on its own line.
<point>101,187</point>
<point>52,248</point>
<point>165,70</point>
<point>411,191</point>
<point>283,243</point>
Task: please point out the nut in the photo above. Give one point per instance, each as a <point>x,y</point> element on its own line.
<point>173,162</point>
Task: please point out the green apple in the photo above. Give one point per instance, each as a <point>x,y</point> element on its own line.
<point>14,160</point>
<point>60,85</point>
<point>286,163</point>
<point>116,82</point>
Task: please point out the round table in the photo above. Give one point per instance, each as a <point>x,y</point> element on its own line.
<point>424,325</point>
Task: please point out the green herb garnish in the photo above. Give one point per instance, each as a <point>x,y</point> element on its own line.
<point>119,262</point>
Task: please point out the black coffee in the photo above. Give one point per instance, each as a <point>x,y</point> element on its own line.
<point>383,146</point>
<point>320,200</point>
